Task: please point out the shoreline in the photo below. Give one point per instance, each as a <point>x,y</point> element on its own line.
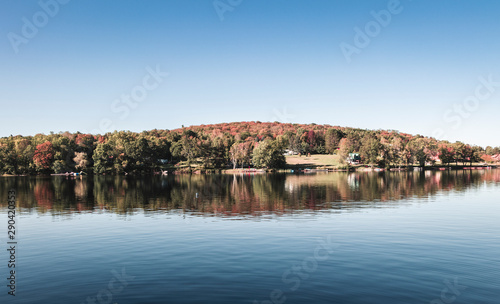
<point>358,168</point>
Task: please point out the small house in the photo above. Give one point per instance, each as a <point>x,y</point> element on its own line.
<point>354,158</point>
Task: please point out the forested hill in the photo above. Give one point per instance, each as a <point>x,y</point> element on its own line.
<point>256,128</point>
<point>224,145</point>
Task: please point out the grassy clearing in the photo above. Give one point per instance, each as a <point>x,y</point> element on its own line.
<point>315,161</point>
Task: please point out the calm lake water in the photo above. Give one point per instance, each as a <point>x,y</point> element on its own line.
<point>417,237</point>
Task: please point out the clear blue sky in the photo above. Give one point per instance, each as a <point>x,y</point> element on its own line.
<point>267,60</point>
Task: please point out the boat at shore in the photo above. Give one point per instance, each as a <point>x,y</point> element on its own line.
<point>67,174</point>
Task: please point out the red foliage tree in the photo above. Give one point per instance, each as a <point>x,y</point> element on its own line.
<point>44,155</point>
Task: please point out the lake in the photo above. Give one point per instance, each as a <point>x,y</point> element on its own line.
<point>367,237</point>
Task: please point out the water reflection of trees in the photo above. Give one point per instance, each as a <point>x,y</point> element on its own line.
<point>236,194</point>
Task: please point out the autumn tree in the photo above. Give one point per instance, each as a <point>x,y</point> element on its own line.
<point>81,161</point>
<point>241,153</point>
<point>446,154</point>
<point>44,156</point>
<point>345,147</point>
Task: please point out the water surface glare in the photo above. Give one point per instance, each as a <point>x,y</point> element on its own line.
<point>396,237</point>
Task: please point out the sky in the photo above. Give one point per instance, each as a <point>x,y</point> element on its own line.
<point>419,67</point>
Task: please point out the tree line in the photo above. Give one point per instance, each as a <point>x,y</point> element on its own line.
<point>226,145</point>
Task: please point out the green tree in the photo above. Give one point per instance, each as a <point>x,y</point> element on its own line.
<point>332,140</point>
<point>268,154</point>
<point>370,150</point>
<point>9,158</point>
<point>461,151</point>
<point>24,153</point>
<point>417,147</point>
<point>477,153</point>
<point>397,152</point>
<point>294,143</point>
<point>473,154</point>
<point>190,147</point>
<point>64,148</point>
<point>103,158</point>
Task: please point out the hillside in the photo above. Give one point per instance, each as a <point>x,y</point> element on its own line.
<point>224,146</point>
